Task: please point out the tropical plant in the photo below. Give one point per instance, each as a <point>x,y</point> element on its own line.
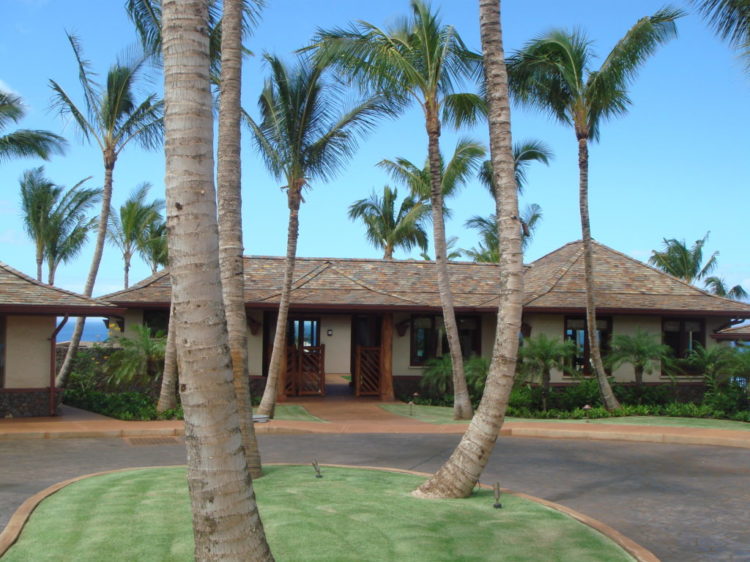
<point>303,136</point>
<point>730,19</point>
<point>133,222</point>
<point>24,142</point>
<point>113,119</point>
<point>524,153</point>
<point>715,363</point>
<point>688,264</point>
<point>453,253</point>
<point>459,474</point>
<point>642,350</point>
<point>418,60</point>
<point>55,219</point>
<point>225,514</point>
<point>541,354</point>
<point>137,359</point>
<point>553,73</point>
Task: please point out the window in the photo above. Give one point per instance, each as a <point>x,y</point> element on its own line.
<point>683,334</point>
<point>575,330</point>
<point>428,339</point>
<point>156,321</point>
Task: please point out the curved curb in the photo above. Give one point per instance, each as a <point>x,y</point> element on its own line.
<point>18,520</point>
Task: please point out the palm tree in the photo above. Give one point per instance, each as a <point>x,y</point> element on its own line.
<point>152,246</point>
<point>227,26</point>
<point>718,287</point>
<point>554,73</point>
<point>541,354</point>
<point>302,137</point>
<point>682,262</point>
<point>524,153</point>
<point>129,227</point>
<point>388,229</point>
<point>452,253</point>
<point>418,60</point>
<point>642,350</point>
<point>459,474</point>
<point>488,249</point>
<point>24,142</point>
<point>730,19</point>
<point>225,514</point>
<point>55,219</point>
<point>112,118</point>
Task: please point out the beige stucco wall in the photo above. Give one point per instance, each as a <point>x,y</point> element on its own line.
<point>339,344</point>
<point>401,349</point>
<point>27,351</point>
<point>255,345</point>
<point>132,318</point>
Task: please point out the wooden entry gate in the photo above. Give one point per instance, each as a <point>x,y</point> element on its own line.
<point>305,371</point>
<point>367,371</point>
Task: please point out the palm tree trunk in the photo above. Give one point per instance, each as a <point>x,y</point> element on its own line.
<point>168,393</point>
<point>110,158</point>
<point>51,274</point>
<point>268,402</point>
<point>226,522</point>
<point>462,409</point>
<point>39,261</point>
<point>608,397</point>
<point>458,476</point>
<point>545,388</point>
<point>229,176</point>
<point>126,259</point>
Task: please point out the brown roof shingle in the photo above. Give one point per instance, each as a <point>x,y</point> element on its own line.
<point>20,293</point>
<point>552,283</point>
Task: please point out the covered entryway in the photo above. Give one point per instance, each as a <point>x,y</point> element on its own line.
<point>305,358</point>
<point>366,330</point>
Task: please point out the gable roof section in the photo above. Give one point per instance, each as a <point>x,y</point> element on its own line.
<point>555,282</point>
<point>21,294</point>
<point>738,333</point>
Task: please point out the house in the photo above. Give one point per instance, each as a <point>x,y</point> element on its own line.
<point>28,328</point>
<point>380,320</point>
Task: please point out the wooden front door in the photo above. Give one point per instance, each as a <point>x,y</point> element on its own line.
<point>305,359</point>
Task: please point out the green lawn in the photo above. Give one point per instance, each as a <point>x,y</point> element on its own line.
<point>292,412</point>
<point>349,514</point>
<point>444,414</point>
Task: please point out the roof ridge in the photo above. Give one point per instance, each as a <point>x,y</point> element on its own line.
<point>141,284</point>
<point>560,272</point>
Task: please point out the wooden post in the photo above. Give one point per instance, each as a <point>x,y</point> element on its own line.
<point>386,357</point>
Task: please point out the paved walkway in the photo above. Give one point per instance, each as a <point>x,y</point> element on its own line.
<point>346,415</point>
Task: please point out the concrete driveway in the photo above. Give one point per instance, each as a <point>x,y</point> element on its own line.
<point>684,503</point>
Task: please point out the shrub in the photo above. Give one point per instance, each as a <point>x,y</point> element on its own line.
<point>120,405</point>
<point>586,391</point>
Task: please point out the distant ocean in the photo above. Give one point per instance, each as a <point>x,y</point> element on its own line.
<point>93,330</point>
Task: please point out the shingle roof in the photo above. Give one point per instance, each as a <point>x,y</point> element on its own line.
<point>553,282</point>
<point>22,294</point>
<point>738,333</point>
<point>556,281</point>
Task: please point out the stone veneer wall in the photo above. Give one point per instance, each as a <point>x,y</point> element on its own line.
<point>26,403</point>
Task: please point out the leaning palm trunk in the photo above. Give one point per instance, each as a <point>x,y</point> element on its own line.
<point>230,223</point>
<point>167,394</point>
<point>101,235</point>
<point>268,402</point>
<point>608,397</point>
<point>458,476</point>
<point>226,522</point>
<point>462,409</point>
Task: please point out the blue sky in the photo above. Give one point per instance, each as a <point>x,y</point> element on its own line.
<point>675,166</point>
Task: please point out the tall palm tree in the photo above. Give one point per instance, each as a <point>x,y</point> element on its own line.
<point>57,220</point>
<point>227,26</point>
<point>152,246</point>
<point>452,253</point>
<point>687,264</point>
<point>226,522</point>
<point>129,226</point>
<point>459,474</point>
<point>302,136</point>
<point>554,73</point>
<point>388,229</point>
<point>112,118</point>
<point>24,142</point>
<point>488,249</point>
<point>418,60</point>
<point>524,154</point>
<point>731,21</point>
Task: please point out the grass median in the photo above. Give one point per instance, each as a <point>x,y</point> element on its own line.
<point>349,514</point>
